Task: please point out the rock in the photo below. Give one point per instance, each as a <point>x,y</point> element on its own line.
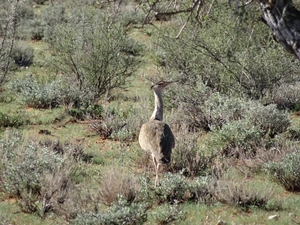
<point>273,217</point>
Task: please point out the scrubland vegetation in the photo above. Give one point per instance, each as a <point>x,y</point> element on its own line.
<point>74,92</point>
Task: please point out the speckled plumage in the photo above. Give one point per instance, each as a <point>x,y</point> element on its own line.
<point>156,136</point>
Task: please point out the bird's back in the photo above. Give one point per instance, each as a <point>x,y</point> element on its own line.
<point>156,137</point>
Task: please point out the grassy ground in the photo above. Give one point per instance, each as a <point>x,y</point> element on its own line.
<point>60,126</point>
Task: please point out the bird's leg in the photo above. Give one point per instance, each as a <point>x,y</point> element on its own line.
<point>157,177</point>
<point>156,165</point>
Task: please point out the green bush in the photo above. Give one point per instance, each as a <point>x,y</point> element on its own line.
<point>53,93</point>
<point>121,212</point>
<point>35,94</point>
<point>243,64</point>
<point>23,55</point>
<point>237,138</point>
<point>268,119</point>
<point>51,17</point>
<point>168,214</point>
<point>86,53</point>
<point>35,29</point>
<point>39,1</point>
<point>188,158</point>
<point>23,169</point>
<point>286,172</point>
<point>39,179</point>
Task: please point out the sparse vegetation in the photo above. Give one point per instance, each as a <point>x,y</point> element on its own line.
<point>73,79</point>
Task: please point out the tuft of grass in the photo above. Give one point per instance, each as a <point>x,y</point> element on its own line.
<point>115,183</point>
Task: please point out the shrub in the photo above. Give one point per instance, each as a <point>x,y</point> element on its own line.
<point>119,125</point>
<point>286,172</point>
<point>173,187</point>
<point>87,54</point>
<point>35,29</point>
<point>30,172</point>
<point>84,110</point>
<point>51,17</point>
<point>168,214</point>
<point>287,96</point>
<point>121,212</point>
<point>22,55</point>
<point>237,138</point>
<point>39,1</point>
<point>50,94</point>
<point>177,188</point>
<point>268,119</point>
<point>37,95</point>
<point>188,157</point>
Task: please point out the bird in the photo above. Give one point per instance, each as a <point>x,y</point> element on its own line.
<point>155,135</point>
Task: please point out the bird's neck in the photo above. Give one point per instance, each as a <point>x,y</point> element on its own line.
<point>158,107</point>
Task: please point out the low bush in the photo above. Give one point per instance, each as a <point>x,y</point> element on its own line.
<point>117,124</point>
<point>237,138</point>
<point>286,172</point>
<point>50,94</point>
<point>187,156</point>
<point>177,188</point>
<point>287,96</point>
<point>121,212</point>
<point>35,94</point>
<point>35,29</point>
<point>168,214</point>
<point>23,55</point>
<point>31,173</point>
<point>268,119</point>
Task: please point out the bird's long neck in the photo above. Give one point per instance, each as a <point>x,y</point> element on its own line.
<point>158,107</point>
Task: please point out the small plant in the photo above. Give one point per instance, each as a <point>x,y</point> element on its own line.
<point>173,187</point>
<point>187,156</point>
<point>237,138</point>
<point>30,173</point>
<point>35,94</point>
<point>22,55</point>
<point>169,214</point>
<point>286,172</point>
<point>121,212</point>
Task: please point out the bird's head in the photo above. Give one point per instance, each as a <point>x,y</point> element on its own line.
<point>161,85</point>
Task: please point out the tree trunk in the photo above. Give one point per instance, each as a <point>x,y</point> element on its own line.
<point>284,20</point>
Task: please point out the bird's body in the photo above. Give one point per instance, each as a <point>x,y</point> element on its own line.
<point>155,135</point>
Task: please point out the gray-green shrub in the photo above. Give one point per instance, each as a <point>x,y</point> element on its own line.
<point>23,55</point>
<point>31,172</point>
<point>121,212</point>
<point>93,52</point>
<point>168,214</point>
<point>49,94</point>
<point>286,172</point>
<point>177,188</point>
<point>187,156</point>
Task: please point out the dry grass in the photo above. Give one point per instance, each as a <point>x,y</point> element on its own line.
<point>115,182</point>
